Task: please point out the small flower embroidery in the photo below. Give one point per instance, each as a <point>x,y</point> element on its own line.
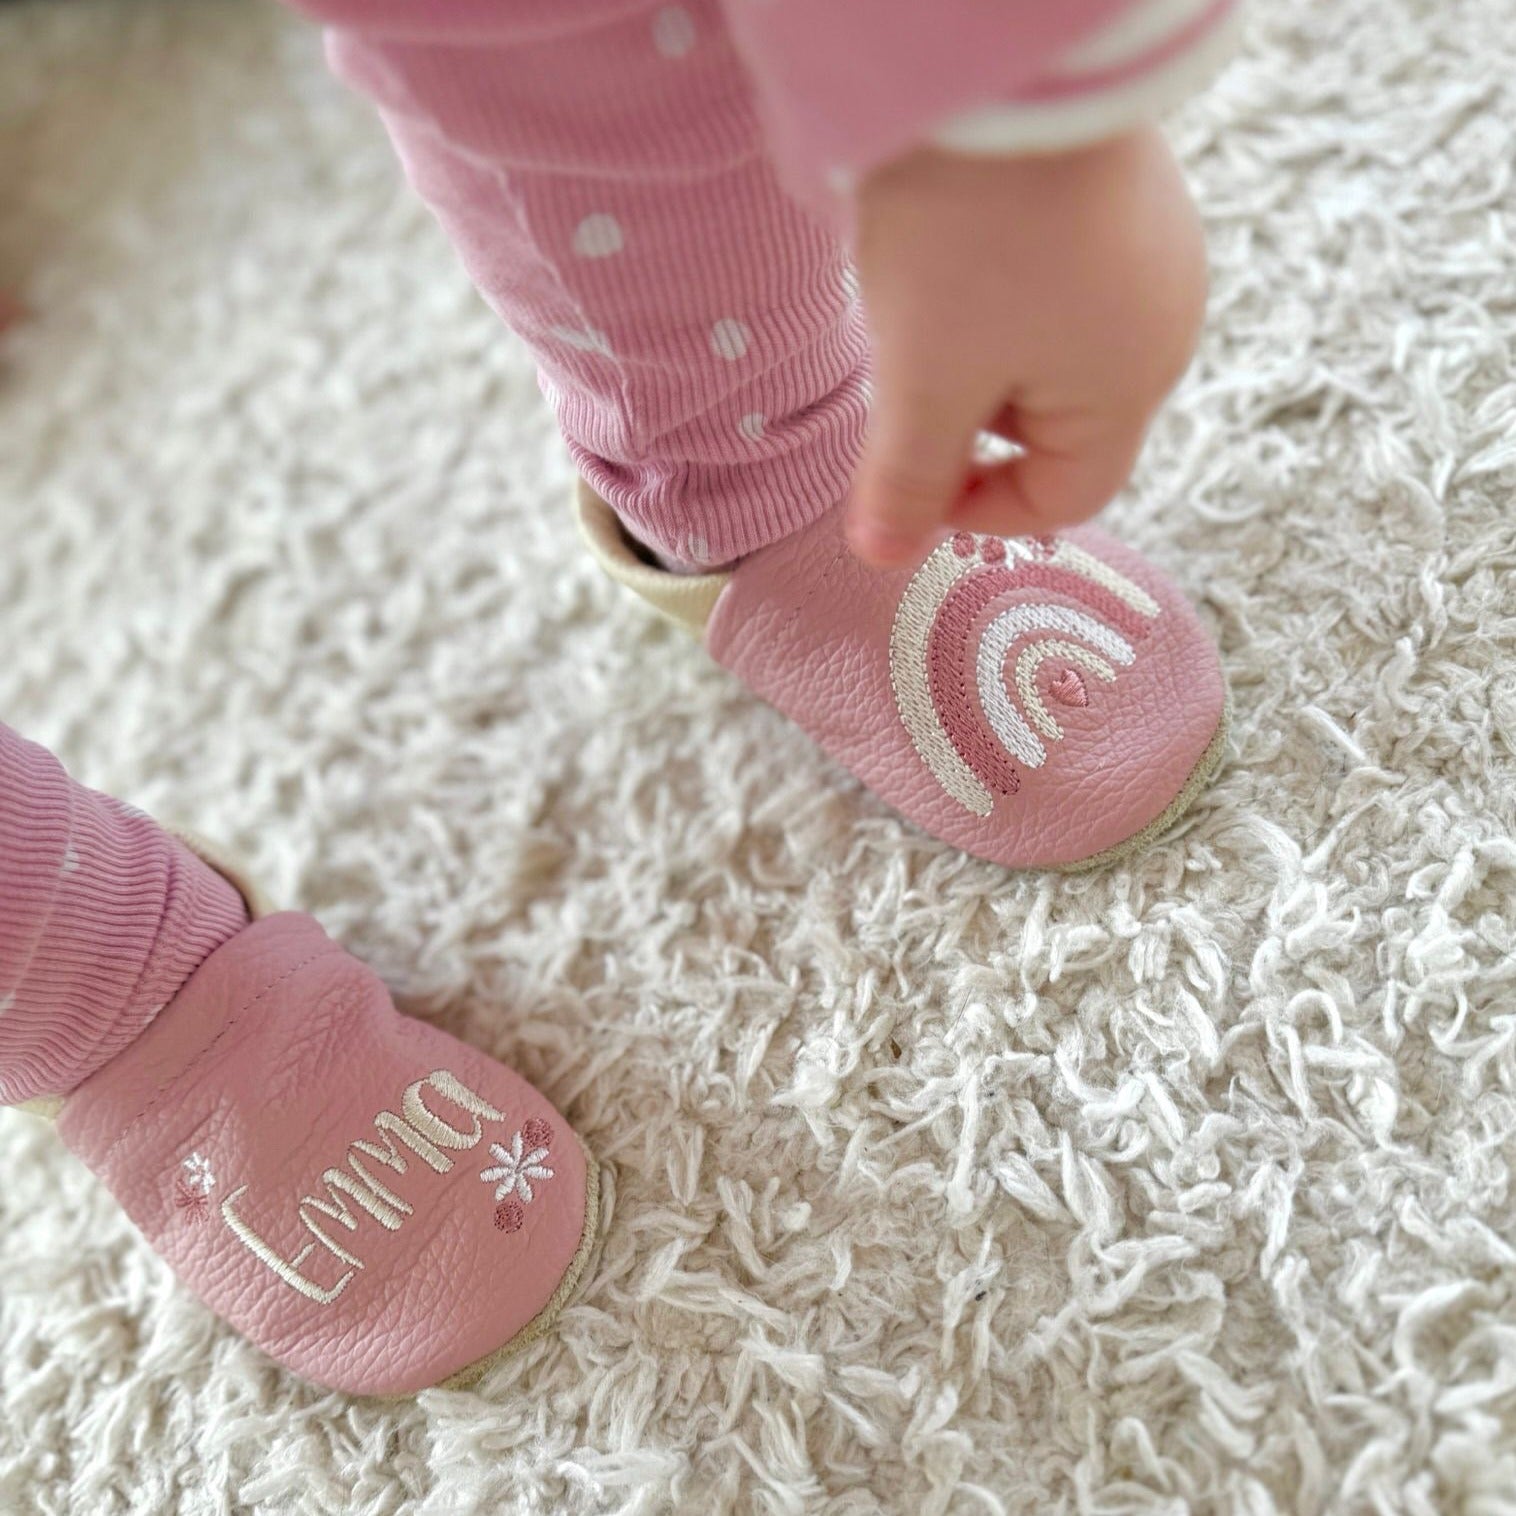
<point>198,1173</point>
<point>193,1187</point>
<point>520,1163</point>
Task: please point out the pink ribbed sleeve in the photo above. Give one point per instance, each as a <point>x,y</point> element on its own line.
<point>103,915</point>
<point>653,195</point>
<point>845,85</point>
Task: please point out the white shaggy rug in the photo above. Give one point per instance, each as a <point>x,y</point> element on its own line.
<point>1187,1187</point>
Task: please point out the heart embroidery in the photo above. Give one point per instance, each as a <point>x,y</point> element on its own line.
<point>972,630</point>
<point>1069,687</point>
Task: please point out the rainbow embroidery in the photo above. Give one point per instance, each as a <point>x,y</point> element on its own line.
<point>953,695</point>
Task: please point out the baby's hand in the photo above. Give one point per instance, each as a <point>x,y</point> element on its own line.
<point>1051,300</point>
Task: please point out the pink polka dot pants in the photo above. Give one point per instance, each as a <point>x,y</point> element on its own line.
<point>602,173</point>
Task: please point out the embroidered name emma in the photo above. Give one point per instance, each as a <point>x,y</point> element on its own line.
<point>420,1129</point>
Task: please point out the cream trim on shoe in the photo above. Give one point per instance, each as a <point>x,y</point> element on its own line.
<point>45,1106</point>
<point>231,869</point>
<point>685,599</point>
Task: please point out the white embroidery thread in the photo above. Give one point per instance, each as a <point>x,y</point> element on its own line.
<point>421,1130</point>
<point>193,1187</point>
<point>516,1169</point>
<point>524,1161</point>
<point>964,744</point>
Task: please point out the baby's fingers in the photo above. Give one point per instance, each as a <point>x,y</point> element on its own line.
<point>913,467</point>
<point>1045,488</point>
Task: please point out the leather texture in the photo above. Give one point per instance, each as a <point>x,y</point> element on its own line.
<point>810,629</point>
<point>309,1162</point>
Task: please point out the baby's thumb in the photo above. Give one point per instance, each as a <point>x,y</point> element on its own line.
<point>911,473</point>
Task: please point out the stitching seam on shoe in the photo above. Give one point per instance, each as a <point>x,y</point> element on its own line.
<point>205,1052</point>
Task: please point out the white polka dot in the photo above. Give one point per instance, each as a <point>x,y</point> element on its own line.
<point>587,339</point>
<point>729,339</point>
<point>673,31</point>
<point>751,426</point>
<point>597,236</point>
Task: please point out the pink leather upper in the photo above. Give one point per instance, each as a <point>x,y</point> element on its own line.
<point>310,1163</point>
<point>810,629</point>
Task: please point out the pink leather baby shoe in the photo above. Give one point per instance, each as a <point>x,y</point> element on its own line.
<point>1046,702</point>
<point>377,1206</point>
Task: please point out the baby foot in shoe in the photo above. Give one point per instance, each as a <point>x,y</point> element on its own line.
<point>375,1204</point>
<point>1040,702</point>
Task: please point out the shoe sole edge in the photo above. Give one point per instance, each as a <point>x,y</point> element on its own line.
<point>1199,777</point>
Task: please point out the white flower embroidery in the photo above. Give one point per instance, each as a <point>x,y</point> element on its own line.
<point>519,1165</point>
<point>193,1186</point>
<point>199,1176</point>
